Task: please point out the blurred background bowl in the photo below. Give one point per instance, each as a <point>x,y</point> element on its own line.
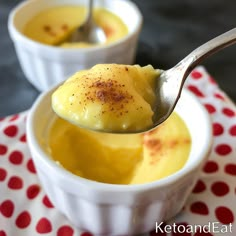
<point>45,66</point>
<point>109,209</point>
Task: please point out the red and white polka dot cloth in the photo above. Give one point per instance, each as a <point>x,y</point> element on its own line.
<point>25,210</point>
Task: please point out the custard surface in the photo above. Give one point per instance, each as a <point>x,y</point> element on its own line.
<point>53,25</point>
<point>121,158</point>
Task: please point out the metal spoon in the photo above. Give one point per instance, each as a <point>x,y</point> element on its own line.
<point>170,82</point>
<point>88,32</point>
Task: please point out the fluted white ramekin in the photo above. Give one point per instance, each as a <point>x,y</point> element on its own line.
<point>108,209</point>
<point>45,66</point>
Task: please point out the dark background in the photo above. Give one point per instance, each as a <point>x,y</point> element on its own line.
<point>171,30</point>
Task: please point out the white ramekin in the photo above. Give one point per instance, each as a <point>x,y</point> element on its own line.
<point>45,66</point>
<point>107,209</point>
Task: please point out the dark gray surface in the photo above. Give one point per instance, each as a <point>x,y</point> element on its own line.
<point>170,31</point>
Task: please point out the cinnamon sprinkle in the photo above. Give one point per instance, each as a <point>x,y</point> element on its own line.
<point>64,27</point>
<point>112,95</point>
<point>48,30</point>
<point>154,144</point>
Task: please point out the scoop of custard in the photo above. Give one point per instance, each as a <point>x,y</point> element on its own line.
<point>108,97</point>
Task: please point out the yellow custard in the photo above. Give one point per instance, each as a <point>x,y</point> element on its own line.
<point>52,26</point>
<point>109,97</point>
<point>121,158</point>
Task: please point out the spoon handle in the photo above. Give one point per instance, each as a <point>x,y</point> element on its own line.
<point>90,12</point>
<point>207,49</point>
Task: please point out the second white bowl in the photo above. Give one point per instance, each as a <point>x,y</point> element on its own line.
<point>45,66</point>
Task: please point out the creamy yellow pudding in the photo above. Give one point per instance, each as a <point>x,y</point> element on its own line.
<point>121,158</point>
<point>52,26</point>
<point>117,98</point>
<point>109,97</point>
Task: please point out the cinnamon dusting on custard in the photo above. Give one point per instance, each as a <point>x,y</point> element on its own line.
<point>153,144</point>
<point>112,95</point>
<point>49,31</point>
<point>65,27</point>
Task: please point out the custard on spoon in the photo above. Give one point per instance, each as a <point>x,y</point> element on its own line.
<point>109,97</point>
